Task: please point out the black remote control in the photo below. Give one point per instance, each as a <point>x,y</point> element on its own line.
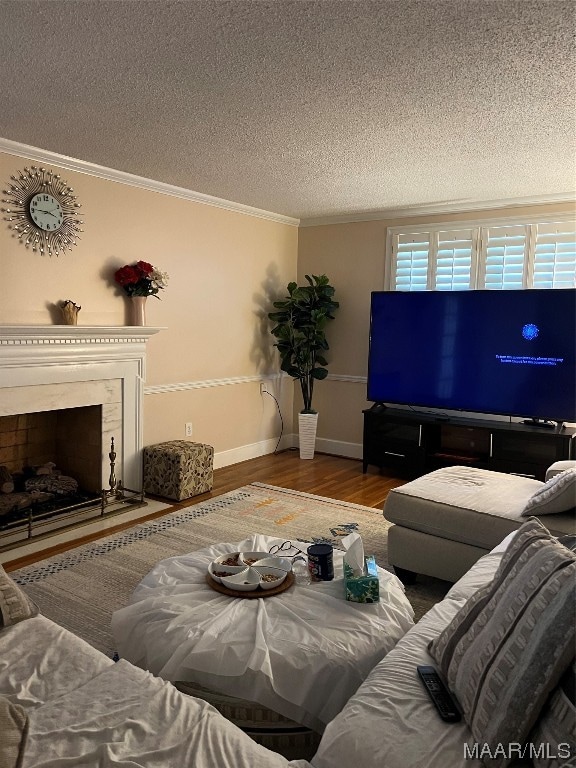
<point>440,695</point>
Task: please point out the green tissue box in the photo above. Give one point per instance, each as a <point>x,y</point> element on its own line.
<point>362,589</point>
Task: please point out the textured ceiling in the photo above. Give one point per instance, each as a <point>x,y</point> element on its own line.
<point>308,109</point>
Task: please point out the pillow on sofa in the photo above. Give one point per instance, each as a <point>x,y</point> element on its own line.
<point>506,649</point>
<point>14,730</point>
<point>553,736</point>
<point>556,495</point>
<point>15,606</point>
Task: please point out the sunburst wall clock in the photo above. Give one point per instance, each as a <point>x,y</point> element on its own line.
<point>43,211</point>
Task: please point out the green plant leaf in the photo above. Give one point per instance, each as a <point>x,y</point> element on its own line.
<point>299,327</point>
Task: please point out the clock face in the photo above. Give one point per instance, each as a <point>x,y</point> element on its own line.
<point>46,212</point>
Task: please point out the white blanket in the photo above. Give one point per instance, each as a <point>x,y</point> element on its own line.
<point>41,661</point>
<point>127,718</point>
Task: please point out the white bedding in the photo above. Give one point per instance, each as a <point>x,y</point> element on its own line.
<point>85,711</point>
<point>41,661</point>
<point>127,718</point>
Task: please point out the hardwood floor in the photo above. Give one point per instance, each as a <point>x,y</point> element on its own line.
<point>332,476</point>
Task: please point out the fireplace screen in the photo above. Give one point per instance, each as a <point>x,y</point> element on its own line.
<point>51,471</point>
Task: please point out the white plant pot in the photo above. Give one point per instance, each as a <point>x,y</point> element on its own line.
<point>307,425</point>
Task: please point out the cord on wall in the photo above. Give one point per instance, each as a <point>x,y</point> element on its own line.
<point>265,391</point>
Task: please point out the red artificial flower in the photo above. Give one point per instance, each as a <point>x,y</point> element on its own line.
<point>144,267</point>
<point>140,279</point>
<point>127,275</point>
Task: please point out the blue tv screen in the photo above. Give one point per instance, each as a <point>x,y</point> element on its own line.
<point>510,352</point>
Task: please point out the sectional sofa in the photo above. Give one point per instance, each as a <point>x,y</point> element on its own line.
<point>63,704</point>
<point>444,521</point>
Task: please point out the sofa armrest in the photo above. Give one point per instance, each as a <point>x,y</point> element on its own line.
<point>559,466</point>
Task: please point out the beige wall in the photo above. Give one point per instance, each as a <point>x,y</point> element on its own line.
<point>225,269</point>
<point>352,255</point>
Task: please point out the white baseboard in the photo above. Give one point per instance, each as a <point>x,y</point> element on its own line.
<point>253,450</point>
<point>266,447</point>
<point>339,448</point>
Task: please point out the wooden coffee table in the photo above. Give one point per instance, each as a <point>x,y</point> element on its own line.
<point>301,653</point>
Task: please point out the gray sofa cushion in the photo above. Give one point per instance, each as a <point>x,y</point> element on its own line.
<point>13,732</point>
<point>506,650</point>
<point>556,728</point>
<point>556,495</point>
<point>15,606</point>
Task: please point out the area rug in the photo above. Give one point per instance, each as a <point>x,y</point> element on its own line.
<point>81,588</point>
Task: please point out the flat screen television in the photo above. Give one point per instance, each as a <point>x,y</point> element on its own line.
<point>510,352</point>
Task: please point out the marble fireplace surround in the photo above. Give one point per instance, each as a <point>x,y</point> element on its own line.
<point>44,368</point>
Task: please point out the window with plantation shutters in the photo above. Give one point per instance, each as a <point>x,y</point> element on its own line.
<point>494,255</point>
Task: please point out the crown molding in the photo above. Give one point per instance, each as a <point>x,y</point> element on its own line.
<point>111,174</point>
<point>440,208</point>
<point>38,155</point>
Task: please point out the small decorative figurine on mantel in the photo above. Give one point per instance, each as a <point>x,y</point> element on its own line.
<point>69,312</point>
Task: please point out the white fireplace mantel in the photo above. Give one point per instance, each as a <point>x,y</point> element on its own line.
<point>22,333</point>
<point>13,338</point>
<point>42,366</point>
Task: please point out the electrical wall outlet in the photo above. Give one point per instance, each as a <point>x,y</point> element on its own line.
<point>188,429</point>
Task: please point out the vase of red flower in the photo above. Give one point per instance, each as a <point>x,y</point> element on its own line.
<point>139,281</point>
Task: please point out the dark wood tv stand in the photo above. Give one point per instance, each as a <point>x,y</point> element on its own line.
<point>416,442</point>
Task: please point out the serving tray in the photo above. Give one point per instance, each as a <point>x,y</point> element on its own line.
<point>254,593</point>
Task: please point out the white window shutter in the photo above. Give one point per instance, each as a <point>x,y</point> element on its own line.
<point>555,255</point>
<point>411,259</point>
<point>504,256</point>
<point>454,260</point>
<point>493,254</point>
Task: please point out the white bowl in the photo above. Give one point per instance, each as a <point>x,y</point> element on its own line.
<point>275,562</point>
<point>222,559</point>
<point>278,574</point>
<point>249,558</point>
<point>229,570</point>
<point>245,581</point>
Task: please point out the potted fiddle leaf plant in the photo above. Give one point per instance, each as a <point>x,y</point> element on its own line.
<point>300,329</point>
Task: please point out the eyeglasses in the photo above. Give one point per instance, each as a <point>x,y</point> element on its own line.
<point>285,548</point>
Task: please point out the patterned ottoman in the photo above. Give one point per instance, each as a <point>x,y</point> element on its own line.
<point>178,469</point>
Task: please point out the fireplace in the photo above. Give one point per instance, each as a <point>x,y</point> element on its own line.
<point>65,393</point>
